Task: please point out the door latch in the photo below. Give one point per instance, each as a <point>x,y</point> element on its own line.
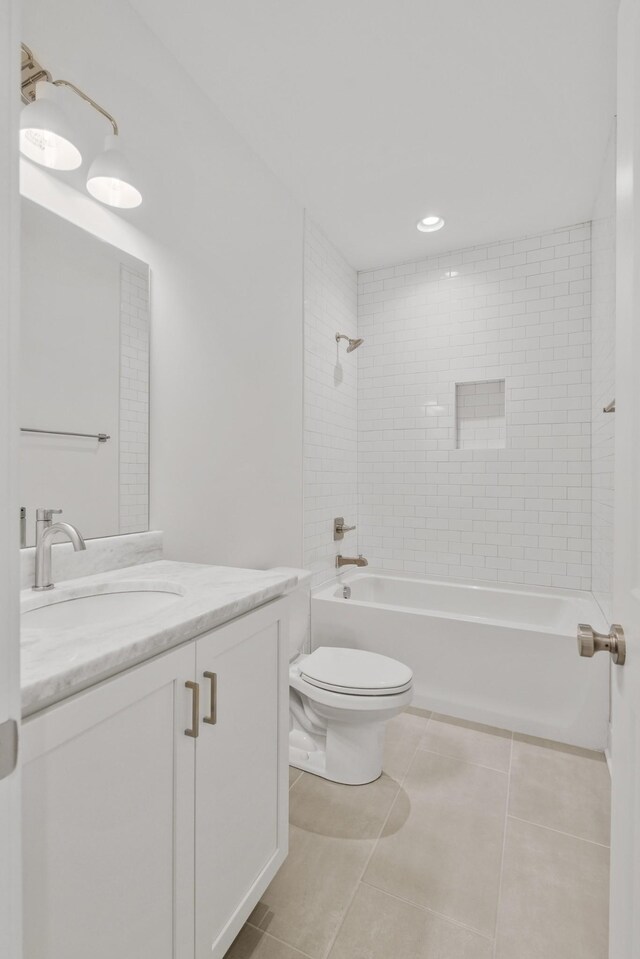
<point>8,747</point>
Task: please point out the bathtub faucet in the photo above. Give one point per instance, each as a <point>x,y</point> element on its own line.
<point>350,561</point>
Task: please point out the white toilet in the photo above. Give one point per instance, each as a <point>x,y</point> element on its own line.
<point>339,702</point>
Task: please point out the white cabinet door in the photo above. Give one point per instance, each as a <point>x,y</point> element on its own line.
<point>241,772</point>
<point>108,819</point>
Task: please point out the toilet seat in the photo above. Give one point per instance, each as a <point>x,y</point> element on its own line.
<point>355,672</point>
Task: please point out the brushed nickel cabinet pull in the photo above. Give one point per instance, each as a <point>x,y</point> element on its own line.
<point>212,718</point>
<point>195,709</point>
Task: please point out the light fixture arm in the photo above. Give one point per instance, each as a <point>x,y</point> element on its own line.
<point>33,72</point>
<point>89,100</point>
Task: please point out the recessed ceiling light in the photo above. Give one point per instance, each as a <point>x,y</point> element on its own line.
<point>429,224</point>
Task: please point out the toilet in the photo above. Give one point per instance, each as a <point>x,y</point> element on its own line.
<point>340,700</point>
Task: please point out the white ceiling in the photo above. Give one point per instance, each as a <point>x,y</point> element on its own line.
<point>492,113</point>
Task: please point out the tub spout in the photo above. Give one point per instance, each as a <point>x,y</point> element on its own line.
<point>351,561</point>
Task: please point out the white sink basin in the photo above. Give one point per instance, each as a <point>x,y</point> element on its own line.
<point>104,608</point>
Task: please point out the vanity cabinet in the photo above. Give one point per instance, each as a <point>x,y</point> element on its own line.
<point>141,840</point>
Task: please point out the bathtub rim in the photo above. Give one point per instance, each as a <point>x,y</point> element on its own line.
<point>326,592</point>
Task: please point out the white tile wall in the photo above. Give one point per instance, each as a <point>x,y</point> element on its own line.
<point>134,399</point>
<point>330,402</point>
<point>480,415</point>
<point>518,311</point>
<point>603,380</point>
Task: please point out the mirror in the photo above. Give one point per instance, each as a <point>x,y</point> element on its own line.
<point>84,379</point>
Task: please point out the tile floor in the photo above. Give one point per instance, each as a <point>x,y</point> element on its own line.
<point>474,844</point>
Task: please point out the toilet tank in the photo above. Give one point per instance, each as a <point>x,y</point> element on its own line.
<point>300,619</point>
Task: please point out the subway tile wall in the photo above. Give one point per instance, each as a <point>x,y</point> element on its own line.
<point>134,399</point>
<point>330,402</point>
<point>603,380</point>
<point>518,311</point>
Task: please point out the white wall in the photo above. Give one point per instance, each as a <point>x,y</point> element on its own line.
<point>603,377</point>
<point>224,242</point>
<point>518,311</point>
<point>330,402</point>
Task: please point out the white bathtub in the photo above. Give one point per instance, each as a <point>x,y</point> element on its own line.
<point>501,655</point>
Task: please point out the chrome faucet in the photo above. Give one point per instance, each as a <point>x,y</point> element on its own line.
<point>46,531</point>
<point>350,561</point>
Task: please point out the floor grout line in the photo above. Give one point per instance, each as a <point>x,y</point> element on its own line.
<point>504,846</point>
<point>559,832</point>
<point>373,848</point>
<point>468,762</point>
<point>431,912</point>
<point>282,942</point>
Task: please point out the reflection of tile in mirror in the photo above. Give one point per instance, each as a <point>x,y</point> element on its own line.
<point>134,399</point>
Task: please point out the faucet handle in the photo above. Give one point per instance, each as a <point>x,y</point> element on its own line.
<point>46,515</point>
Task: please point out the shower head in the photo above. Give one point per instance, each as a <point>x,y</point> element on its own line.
<point>353,343</point>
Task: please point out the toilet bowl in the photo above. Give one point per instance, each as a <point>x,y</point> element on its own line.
<point>339,700</point>
<point>339,703</point>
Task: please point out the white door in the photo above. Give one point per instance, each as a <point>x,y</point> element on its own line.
<point>625,837</point>
<point>9,668</point>
<point>241,772</point>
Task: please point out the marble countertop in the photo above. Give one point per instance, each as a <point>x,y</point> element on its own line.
<point>57,663</point>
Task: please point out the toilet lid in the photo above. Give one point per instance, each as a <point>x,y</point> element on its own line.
<point>355,671</point>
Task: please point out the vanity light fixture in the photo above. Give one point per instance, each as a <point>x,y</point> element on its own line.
<point>46,137</point>
<point>110,179</point>
<point>429,224</point>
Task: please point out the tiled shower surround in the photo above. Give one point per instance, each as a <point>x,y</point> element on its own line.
<point>330,403</point>
<point>517,311</point>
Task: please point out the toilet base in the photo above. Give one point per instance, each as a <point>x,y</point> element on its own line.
<point>349,754</point>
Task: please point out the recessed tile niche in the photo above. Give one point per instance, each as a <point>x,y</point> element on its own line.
<point>480,416</point>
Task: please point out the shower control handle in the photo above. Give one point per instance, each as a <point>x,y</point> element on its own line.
<point>339,529</point>
<point>591,642</point>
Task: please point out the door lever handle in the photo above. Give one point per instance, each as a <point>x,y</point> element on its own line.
<point>590,642</point>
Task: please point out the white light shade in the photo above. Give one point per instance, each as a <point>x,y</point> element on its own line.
<point>429,224</point>
<point>110,178</point>
<point>46,135</point>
